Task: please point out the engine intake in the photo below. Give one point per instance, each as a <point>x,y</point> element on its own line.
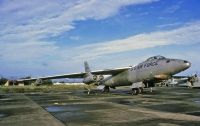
<point>101,77</point>
<point>90,79</point>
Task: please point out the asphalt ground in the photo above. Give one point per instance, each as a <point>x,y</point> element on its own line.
<point>165,106</point>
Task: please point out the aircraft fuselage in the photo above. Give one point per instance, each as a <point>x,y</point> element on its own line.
<point>149,70</point>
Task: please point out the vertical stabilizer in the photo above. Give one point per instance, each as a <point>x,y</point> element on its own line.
<point>87,68</point>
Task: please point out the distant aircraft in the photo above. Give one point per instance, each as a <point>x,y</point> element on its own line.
<point>180,81</point>
<point>184,81</point>
<point>146,74</point>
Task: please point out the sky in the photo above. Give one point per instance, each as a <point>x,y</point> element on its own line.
<point>48,37</point>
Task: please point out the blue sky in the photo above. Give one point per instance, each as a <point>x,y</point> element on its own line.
<point>53,37</point>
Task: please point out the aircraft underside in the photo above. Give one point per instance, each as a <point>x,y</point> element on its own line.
<point>135,88</point>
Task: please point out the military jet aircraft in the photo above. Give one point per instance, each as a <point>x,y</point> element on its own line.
<point>146,74</point>
<point>184,81</point>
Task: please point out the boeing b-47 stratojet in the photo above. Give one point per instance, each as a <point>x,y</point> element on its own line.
<point>146,74</point>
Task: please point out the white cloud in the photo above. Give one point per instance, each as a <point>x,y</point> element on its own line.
<point>185,35</point>
<point>74,37</point>
<point>27,51</point>
<point>41,19</point>
<point>169,25</point>
<point>25,24</point>
<point>173,8</point>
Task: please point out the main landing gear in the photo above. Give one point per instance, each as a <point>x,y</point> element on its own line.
<point>88,89</point>
<point>106,89</point>
<point>136,91</point>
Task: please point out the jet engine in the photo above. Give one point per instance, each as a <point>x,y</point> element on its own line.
<point>90,79</point>
<point>103,77</point>
<point>100,78</point>
<point>38,81</point>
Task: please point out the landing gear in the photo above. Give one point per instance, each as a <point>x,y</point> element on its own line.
<point>88,91</point>
<point>141,90</point>
<point>151,89</point>
<point>106,89</point>
<point>150,85</point>
<point>136,91</point>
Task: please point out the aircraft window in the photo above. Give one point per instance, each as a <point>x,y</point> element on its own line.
<point>160,57</point>
<point>155,57</point>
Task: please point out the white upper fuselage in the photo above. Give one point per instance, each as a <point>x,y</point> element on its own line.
<point>157,67</point>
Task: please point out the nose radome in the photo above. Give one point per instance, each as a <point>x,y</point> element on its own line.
<point>178,65</point>
<point>186,64</point>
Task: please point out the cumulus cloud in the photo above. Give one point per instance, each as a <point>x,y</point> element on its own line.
<point>185,35</point>
<point>26,27</point>
<point>41,19</point>
<point>169,25</point>
<point>25,24</point>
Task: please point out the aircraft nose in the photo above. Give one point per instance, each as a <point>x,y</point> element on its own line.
<point>177,65</point>
<point>186,64</point>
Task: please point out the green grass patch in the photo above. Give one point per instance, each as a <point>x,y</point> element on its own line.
<point>27,89</point>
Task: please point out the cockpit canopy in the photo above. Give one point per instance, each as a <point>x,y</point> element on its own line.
<point>155,57</point>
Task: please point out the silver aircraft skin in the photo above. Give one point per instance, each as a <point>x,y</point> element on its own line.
<point>154,69</point>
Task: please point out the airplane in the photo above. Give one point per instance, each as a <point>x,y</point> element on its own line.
<point>184,81</point>
<point>176,81</point>
<point>145,74</point>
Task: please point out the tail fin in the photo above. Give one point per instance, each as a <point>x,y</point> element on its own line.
<point>87,68</point>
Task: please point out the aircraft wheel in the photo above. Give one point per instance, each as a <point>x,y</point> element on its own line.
<point>135,91</point>
<point>106,89</point>
<point>88,91</point>
<point>141,90</point>
<point>151,89</point>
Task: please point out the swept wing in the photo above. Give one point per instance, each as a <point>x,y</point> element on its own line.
<point>80,75</point>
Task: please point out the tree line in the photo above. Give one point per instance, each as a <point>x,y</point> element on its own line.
<point>3,80</point>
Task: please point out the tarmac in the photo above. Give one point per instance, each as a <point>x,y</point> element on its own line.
<point>165,106</point>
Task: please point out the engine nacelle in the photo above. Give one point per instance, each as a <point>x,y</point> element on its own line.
<point>100,77</point>
<point>103,77</point>
<point>90,79</point>
<point>38,81</point>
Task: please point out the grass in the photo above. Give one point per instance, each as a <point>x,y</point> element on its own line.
<point>29,88</point>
